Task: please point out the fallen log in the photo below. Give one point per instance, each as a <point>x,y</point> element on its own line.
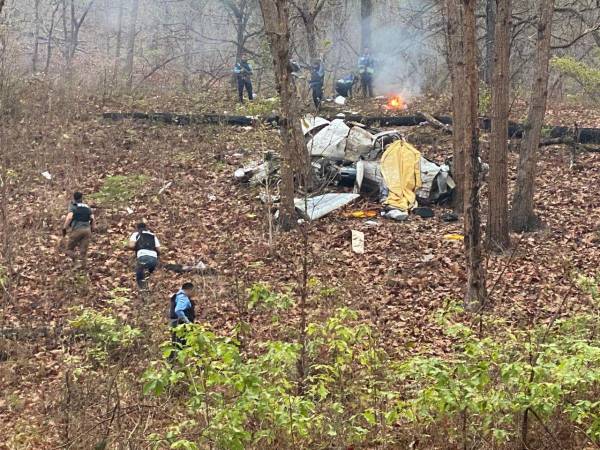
<point>446,128</point>
<point>197,269</point>
<point>182,119</point>
<point>515,130</point>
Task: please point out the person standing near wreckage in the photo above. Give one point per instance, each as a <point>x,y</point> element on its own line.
<point>366,70</point>
<point>317,78</point>
<point>243,72</point>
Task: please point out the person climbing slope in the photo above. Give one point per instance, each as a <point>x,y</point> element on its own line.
<point>182,310</point>
<point>147,249</point>
<point>80,222</point>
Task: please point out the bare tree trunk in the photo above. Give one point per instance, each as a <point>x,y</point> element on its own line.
<point>1,5</point>
<point>490,36</point>
<point>36,37</point>
<point>456,65</point>
<point>497,225</point>
<point>135,4</point>
<point>119,42</point>
<point>366,14</point>
<point>523,217</point>
<point>311,35</point>
<point>294,154</point>
<point>476,292</point>
<point>50,37</point>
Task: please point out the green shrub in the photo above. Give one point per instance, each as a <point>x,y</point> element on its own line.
<point>341,389</point>
<point>587,77</point>
<point>107,334</point>
<point>117,190</point>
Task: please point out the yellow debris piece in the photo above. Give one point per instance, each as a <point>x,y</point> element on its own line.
<point>401,170</point>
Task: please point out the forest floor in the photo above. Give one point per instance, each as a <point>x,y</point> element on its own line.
<point>408,270</point>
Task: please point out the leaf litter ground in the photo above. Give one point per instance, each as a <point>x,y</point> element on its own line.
<point>407,272</point>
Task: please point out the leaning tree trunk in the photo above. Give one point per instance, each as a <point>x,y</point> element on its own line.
<point>497,225</point>
<point>456,66</point>
<point>475,295</point>
<point>523,217</point>
<point>294,154</point>
<point>135,4</point>
<point>366,14</point>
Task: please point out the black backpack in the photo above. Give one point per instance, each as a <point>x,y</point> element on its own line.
<point>82,213</point>
<point>145,241</point>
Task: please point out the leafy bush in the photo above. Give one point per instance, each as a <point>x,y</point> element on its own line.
<point>587,77</point>
<point>490,382</point>
<point>259,107</point>
<point>119,189</point>
<point>337,387</point>
<point>106,332</point>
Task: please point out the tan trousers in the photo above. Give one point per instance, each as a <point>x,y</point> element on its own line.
<point>79,238</point>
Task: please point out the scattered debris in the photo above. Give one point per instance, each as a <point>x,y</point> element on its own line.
<point>165,187</point>
<point>395,214</point>
<point>449,217</point>
<point>360,214</point>
<point>129,210</point>
<point>358,242</point>
<point>423,212</point>
<point>199,268</point>
<point>340,100</point>
<point>47,175</point>
<point>316,207</point>
<point>454,237</point>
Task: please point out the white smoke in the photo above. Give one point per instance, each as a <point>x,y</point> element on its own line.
<point>402,54</point>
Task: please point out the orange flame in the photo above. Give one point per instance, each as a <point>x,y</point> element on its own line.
<point>396,102</point>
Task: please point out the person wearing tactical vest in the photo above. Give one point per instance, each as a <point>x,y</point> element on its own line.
<point>317,78</point>
<point>366,69</point>
<point>243,71</point>
<point>182,310</point>
<point>344,86</point>
<point>80,222</point>
<point>147,249</point>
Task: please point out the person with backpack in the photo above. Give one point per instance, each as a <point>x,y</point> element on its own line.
<point>344,86</point>
<point>147,249</point>
<point>80,222</point>
<point>243,72</point>
<point>182,311</point>
<point>366,70</point>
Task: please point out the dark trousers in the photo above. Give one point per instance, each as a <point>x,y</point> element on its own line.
<point>366,83</point>
<point>317,94</point>
<point>143,264</point>
<point>244,83</point>
<point>344,90</point>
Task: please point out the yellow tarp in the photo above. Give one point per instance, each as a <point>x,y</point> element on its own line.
<point>400,167</point>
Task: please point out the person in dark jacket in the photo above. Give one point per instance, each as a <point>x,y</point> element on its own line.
<point>80,222</point>
<point>317,78</point>
<point>182,310</point>
<point>366,70</point>
<point>344,86</point>
<point>243,72</point>
<point>147,249</point>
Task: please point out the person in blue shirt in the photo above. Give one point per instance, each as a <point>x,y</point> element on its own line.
<point>243,72</point>
<point>344,86</point>
<point>182,311</point>
<point>317,78</point>
<point>366,70</point>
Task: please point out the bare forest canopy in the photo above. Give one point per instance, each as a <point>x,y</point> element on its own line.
<point>116,45</point>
